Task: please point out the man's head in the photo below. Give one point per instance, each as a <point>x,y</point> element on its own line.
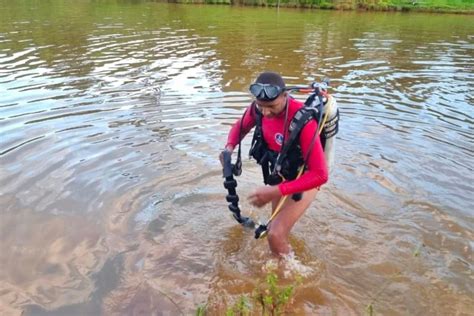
<point>269,92</point>
<point>268,86</point>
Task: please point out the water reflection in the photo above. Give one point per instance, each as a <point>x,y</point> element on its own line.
<point>111,116</point>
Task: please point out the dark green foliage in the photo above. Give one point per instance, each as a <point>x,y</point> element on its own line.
<point>268,298</point>
<point>466,6</point>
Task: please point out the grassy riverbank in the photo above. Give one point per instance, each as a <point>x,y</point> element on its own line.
<point>452,6</point>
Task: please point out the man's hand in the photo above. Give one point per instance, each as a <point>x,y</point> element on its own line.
<point>263,195</point>
<point>221,155</point>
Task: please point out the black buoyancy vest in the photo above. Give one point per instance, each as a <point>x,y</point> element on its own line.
<point>290,159</point>
<point>274,164</point>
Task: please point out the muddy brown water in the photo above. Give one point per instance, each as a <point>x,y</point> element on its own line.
<point>112,115</point>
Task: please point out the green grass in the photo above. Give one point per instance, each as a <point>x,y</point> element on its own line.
<point>268,298</point>
<point>464,6</point>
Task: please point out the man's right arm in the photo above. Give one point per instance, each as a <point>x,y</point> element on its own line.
<point>238,132</point>
<point>240,129</point>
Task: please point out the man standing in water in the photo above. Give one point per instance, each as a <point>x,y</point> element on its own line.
<point>271,113</point>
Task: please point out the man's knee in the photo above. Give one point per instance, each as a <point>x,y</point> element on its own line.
<point>276,233</point>
<point>278,240</point>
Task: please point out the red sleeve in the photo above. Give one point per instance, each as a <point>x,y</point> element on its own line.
<point>316,173</point>
<point>248,121</point>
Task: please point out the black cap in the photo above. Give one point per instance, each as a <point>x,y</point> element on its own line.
<point>272,78</point>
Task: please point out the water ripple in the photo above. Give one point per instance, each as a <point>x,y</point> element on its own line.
<point>112,117</point>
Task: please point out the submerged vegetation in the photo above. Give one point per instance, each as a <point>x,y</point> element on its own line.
<point>454,6</point>
<point>268,298</point>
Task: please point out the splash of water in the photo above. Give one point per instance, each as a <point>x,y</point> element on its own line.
<point>289,264</point>
<point>293,266</point>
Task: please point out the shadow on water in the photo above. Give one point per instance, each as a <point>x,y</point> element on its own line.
<point>105,281</point>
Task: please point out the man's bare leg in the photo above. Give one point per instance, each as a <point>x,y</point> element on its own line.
<point>281,225</point>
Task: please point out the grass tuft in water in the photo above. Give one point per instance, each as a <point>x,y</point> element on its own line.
<point>242,307</point>
<point>268,298</point>
<point>201,310</point>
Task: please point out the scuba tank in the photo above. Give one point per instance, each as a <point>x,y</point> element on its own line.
<point>330,143</point>
<point>327,116</point>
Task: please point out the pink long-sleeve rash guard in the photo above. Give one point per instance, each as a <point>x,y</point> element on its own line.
<point>316,173</point>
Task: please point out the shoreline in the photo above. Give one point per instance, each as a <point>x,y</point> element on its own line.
<point>408,6</point>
